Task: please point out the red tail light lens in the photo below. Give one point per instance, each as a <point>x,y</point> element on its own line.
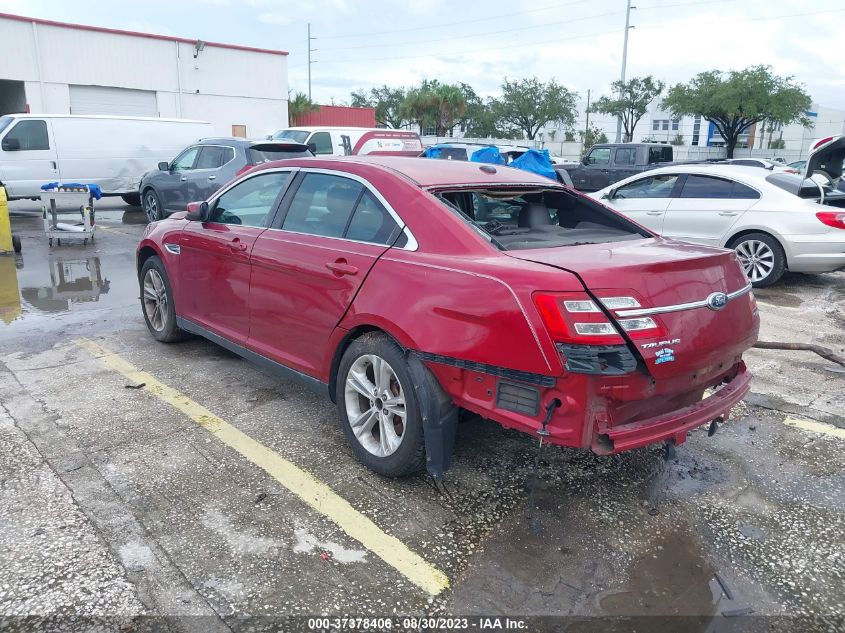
<point>573,317</point>
<point>836,219</point>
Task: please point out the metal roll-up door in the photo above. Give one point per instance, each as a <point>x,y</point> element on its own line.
<point>109,100</point>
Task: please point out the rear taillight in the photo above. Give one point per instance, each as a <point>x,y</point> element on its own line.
<point>836,219</point>
<point>791,171</point>
<point>573,317</point>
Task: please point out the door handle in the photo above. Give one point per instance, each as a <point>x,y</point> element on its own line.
<point>212,177</point>
<point>237,246</point>
<point>340,268</point>
<point>654,212</point>
<point>728,213</point>
<point>55,166</point>
<point>184,178</point>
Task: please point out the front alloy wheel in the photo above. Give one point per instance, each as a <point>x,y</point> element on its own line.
<point>155,300</point>
<point>375,405</point>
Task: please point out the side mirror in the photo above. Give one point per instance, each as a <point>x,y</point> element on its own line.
<point>164,166</point>
<point>11,144</point>
<point>607,196</point>
<point>198,212</point>
<point>312,147</point>
<point>586,160</point>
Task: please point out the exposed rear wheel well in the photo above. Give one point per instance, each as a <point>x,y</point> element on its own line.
<point>353,334</point>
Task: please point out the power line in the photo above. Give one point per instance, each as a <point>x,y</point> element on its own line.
<point>459,23</point>
<point>482,34</point>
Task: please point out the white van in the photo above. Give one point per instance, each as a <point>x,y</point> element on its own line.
<point>351,141</point>
<point>110,151</point>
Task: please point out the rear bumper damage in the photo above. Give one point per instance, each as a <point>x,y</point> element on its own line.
<point>604,414</point>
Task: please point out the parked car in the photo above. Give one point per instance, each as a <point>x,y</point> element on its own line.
<point>762,163</point>
<point>202,168</point>
<point>353,141</point>
<point>404,289</point>
<point>113,152</point>
<point>538,161</point>
<point>775,221</point>
<point>607,163</point>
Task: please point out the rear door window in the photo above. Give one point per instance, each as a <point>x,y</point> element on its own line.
<point>626,156</point>
<point>660,154</point>
<point>715,188</point>
<point>214,156</point>
<point>28,135</point>
<point>371,222</point>
<point>322,205</point>
<point>322,143</point>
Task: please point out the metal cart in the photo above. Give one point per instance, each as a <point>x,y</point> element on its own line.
<point>60,201</point>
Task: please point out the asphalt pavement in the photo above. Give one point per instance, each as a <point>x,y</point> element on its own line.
<point>142,481</point>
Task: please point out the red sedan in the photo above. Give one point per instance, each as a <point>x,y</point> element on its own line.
<point>405,289</point>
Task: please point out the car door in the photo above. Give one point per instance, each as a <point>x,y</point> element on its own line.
<point>309,266</point>
<point>646,199</point>
<point>29,156</point>
<point>320,143</point>
<point>596,169</point>
<point>171,184</point>
<point>215,255</point>
<point>624,164</point>
<point>206,177</point>
<point>706,207</point>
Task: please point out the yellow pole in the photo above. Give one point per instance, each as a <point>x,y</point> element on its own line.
<point>10,299</point>
<point>5,225</point>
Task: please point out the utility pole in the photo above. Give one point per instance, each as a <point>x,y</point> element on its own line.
<point>310,50</point>
<point>624,62</point>
<point>587,124</point>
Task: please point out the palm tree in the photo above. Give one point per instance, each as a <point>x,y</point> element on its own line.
<point>299,105</point>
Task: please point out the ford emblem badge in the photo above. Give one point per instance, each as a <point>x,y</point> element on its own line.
<point>717,301</point>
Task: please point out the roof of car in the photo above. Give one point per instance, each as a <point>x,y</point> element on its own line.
<point>726,170</point>
<point>427,172</point>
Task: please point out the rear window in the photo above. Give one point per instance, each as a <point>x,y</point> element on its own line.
<point>660,154</point>
<point>539,218</point>
<point>294,135</point>
<point>453,153</point>
<point>806,188</point>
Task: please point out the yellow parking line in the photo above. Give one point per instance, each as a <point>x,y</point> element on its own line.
<point>300,482</point>
<point>816,427</point>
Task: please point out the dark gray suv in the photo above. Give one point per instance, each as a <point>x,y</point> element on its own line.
<point>201,169</point>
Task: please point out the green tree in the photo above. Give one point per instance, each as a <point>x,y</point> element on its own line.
<point>678,140</point>
<point>436,105</point>
<point>299,105</point>
<point>592,136</point>
<point>388,103</point>
<point>777,143</point>
<point>734,101</point>
<point>630,102</point>
<point>526,105</point>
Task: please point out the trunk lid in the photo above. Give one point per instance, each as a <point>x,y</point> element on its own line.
<point>825,157</point>
<point>662,273</point>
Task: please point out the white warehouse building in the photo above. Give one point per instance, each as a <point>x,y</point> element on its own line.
<point>59,68</point>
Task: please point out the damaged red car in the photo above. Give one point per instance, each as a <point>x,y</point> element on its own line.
<point>407,289</point>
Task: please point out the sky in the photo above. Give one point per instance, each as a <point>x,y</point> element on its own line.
<point>363,43</point>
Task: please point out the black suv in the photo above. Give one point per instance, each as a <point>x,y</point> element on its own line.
<point>203,168</point>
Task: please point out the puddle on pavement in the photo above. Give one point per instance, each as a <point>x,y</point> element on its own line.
<point>779,297</point>
<point>58,284</point>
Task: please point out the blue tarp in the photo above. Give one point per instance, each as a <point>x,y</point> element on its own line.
<point>488,155</point>
<point>536,161</point>
<point>432,152</point>
<point>94,189</point>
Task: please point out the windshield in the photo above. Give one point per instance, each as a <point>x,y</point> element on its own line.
<point>539,218</point>
<point>294,135</point>
<point>4,122</point>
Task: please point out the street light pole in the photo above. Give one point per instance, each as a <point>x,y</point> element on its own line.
<point>624,63</point>
<point>309,58</point>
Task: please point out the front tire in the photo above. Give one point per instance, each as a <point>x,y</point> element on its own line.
<point>152,206</point>
<point>378,408</point>
<point>157,302</point>
<point>762,258</point>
